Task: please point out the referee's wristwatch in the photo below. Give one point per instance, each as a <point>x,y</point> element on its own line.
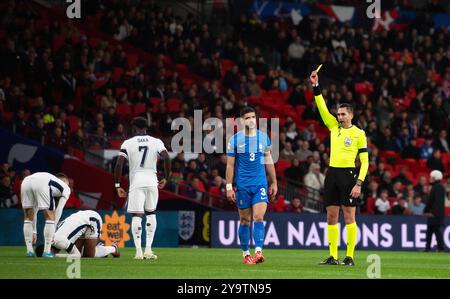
<point>358,182</point>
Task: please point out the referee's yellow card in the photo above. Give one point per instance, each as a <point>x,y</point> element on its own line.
<point>318,68</point>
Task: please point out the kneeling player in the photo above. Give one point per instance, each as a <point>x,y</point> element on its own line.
<point>79,235</point>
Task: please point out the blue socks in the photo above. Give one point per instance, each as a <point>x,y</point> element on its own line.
<point>244,236</point>
<point>258,234</point>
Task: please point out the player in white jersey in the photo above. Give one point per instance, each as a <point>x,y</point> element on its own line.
<point>39,191</point>
<point>79,235</point>
<point>142,152</point>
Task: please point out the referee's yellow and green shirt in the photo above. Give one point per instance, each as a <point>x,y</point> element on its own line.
<point>345,143</point>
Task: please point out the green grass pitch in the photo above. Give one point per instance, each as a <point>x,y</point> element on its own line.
<point>200,263</point>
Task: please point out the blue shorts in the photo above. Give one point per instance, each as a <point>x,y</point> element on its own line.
<point>246,197</point>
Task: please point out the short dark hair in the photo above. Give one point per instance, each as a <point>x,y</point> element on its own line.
<point>247,109</point>
<point>139,122</point>
<point>346,105</point>
<point>61,175</point>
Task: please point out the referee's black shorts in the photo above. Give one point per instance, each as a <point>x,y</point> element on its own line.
<point>339,183</point>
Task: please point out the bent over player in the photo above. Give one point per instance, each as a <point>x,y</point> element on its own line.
<point>39,191</point>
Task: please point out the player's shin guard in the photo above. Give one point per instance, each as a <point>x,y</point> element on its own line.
<point>28,235</point>
<point>150,232</point>
<point>333,237</point>
<point>49,232</point>
<point>244,237</point>
<point>102,251</point>
<point>352,231</point>
<point>136,229</point>
<point>258,235</point>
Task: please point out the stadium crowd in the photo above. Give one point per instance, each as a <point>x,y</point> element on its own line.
<point>69,91</point>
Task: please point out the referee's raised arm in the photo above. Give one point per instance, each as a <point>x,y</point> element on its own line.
<point>329,120</point>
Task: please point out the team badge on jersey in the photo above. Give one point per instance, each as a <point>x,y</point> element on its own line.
<point>347,141</point>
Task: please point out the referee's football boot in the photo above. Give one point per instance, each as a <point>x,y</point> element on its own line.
<point>330,261</point>
<point>348,261</point>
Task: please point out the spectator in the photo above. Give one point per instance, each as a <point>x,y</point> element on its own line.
<point>315,181</point>
<point>295,206</point>
<point>78,140</point>
<point>18,182</point>
<point>202,165</point>
<point>419,188</point>
<point>435,163</point>
<point>118,133</point>
<point>401,208</point>
<point>402,177</point>
<point>417,206</point>
<point>402,141</point>
<point>196,189</point>
<point>191,170</point>
<point>382,205</point>
<point>441,143</point>
<point>294,172</point>
<point>57,140</point>
<point>426,150</point>
<point>287,153</point>
<point>411,151</point>
<point>278,205</point>
<point>297,96</point>
<point>7,197</point>
<point>387,183</point>
<point>303,152</point>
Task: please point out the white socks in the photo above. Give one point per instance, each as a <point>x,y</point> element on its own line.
<point>102,251</point>
<point>136,229</point>
<point>28,234</point>
<point>150,232</point>
<point>49,232</point>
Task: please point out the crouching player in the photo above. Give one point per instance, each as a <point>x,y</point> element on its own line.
<point>79,236</point>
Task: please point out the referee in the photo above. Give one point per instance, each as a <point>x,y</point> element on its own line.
<point>342,188</point>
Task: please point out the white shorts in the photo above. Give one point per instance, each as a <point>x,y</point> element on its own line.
<point>66,232</point>
<point>142,199</point>
<point>33,195</point>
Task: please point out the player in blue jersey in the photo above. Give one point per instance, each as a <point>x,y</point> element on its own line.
<point>248,152</point>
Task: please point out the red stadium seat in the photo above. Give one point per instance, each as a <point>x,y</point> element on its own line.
<point>58,42</point>
<point>411,164</point>
<point>139,109</point>
<point>389,155</point>
<point>182,69</point>
<point>155,103</point>
<point>226,65</point>
<point>173,105</point>
<point>445,157</point>
<point>420,142</point>
<point>447,211</point>
<point>254,100</point>
<point>117,73</point>
<point>132,60</point>
<point>124,112</point>
<point>120,92</point>
<point>370,205</point>
<point>78,153</point>
<point>74,123</point>
<point>115,144</point>
<point>281,166</point>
